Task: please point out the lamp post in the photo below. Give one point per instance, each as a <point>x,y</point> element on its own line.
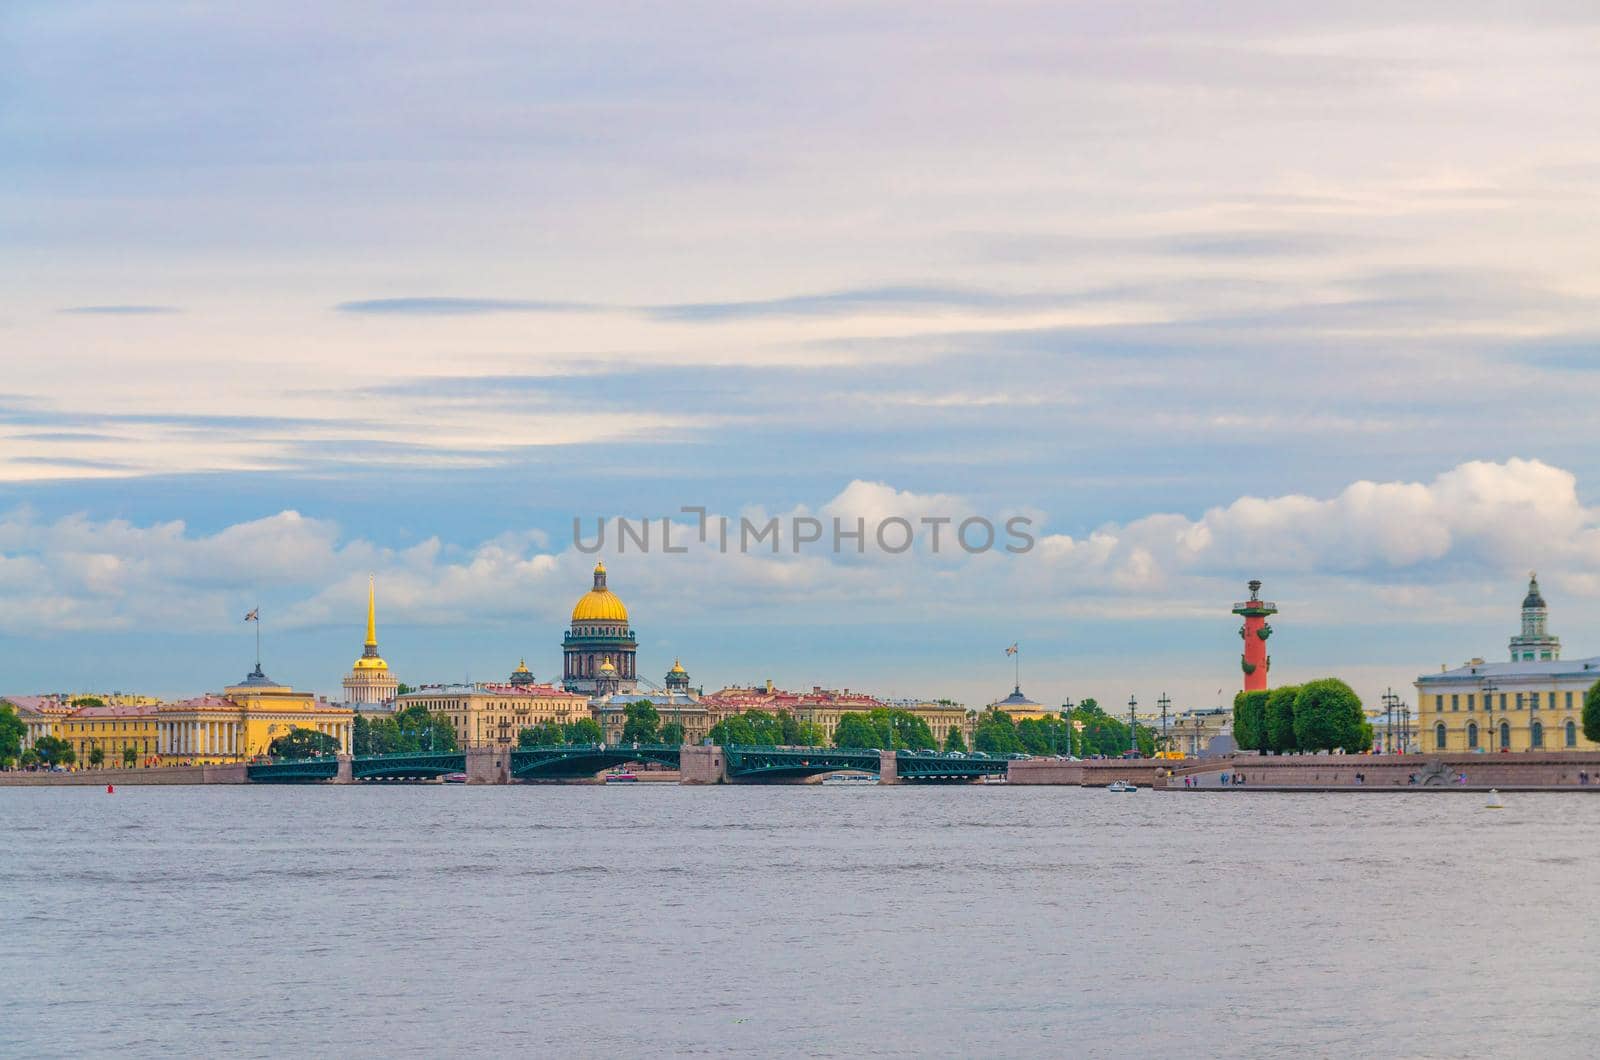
<point>1164,703</point>
<point>1133,729</point>
<point>1390,702</point>
<point>1489,689</point>
<point>1066,719</point>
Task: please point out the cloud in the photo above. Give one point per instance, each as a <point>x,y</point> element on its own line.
<point>121,310</point>
<point>1478,523</point>
<point>444,306</point>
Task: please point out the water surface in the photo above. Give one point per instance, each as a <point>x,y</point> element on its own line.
<point>606,921</point>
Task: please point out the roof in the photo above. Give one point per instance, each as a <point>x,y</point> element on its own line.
<point>39,704</point>
<point>1018,700</point>
<point>491,689</point>
<point>126,710</point>
<point>1548,669</point>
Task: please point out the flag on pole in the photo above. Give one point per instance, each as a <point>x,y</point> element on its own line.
<point>1011,650</point>
<point>254,615</point>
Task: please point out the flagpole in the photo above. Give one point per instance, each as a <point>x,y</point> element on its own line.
<point>258,636</point>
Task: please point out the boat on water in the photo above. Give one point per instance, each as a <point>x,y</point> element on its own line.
<point>849,780</point>
<point>622,777</point>
<point>454,778</point>
<point>1121,785</point>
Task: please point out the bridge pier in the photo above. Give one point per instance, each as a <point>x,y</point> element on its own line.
<point>488,765</point>
<point>702,765</point>
<point>346,773</point>
<point>888,768</point>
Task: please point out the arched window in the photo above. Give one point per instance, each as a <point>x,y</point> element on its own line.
<point>1438,736</point>
<point>1536,735</point>
<point>1505,736</point>
<point>1572,734</point>
<point>1472,736</point>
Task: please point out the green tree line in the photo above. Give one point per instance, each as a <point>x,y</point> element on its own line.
<point>408,730</point>
<point>1321,715</point>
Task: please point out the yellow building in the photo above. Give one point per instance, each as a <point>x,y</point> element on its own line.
<point>1020,708</point>
<point>40,716</point>
<point>242,722</point>
<point>489,714</point>
<point>369,680</point>
<point>114,730</point>
<point>1533,703</point>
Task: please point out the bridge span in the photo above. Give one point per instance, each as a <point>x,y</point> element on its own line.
<point>697,765</point>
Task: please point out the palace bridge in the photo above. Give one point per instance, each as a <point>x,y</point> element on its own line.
<point>697,765</point>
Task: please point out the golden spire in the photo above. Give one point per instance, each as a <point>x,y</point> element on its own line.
<point>372,612</point>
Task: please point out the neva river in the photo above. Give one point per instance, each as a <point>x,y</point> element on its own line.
<point>651,920</point>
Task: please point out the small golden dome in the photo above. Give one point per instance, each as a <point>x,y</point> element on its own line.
<point>522,666</point>
<point>677,668</point>
<point>607,668</point>
<point>371,662</point>
<point>599,604</point>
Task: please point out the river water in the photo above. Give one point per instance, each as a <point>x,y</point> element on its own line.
<point>644,919</point>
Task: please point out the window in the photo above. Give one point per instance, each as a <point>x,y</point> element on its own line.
<point>1533,701</point>
<point>1572,731</point>
<point>1569,700</point>
<point>1439,736</point>
<point>1472,736</point>
<point>1472,702</point>
<point>1505,736</point>
<point>1455,702</point>
<point>1536,735</point>
<point>1502,701</point>
<point>1438,703</point>
<point>1519,700</point>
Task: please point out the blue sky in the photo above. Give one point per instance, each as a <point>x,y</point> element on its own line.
<point>295,295</point>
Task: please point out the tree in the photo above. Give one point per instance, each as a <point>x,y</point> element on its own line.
<point>403,689</point>
<point>360,735</point>
<point>29,759</point>
<point>995,733</point>
<point>908,731</point>
<point>1280,719</point>
<point>953,740</point>
<point>88,701</point>
<point>54,751</point>
<point>1249,719</point>
<point>12,730</point>
<point>857,731</point>
<point>1327,714</point>
<point>1045,736</point>
<point>130,758</point>
<point>545,734</point>
<point>302,743</point>
<point>419,730</point>
<point>672,733</point>
<point>584,731</point>
<point>97,756</point>
<point>642,722</point>
<point>1591,713</point>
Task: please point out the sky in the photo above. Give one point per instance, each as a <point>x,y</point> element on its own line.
<point>292,294</point>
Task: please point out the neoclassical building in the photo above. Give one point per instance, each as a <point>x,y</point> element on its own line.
<point>485,715</point>
<point>1532,703</point>
<point>369,682</point>
<point>242,722</point>
<point>679,703</point>
<point>598,653</point>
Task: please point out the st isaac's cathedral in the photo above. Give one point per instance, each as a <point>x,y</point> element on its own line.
<point>598,652</point>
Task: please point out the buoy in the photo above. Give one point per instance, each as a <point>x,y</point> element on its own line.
<point>1494,802</point>
<point>110,790</point>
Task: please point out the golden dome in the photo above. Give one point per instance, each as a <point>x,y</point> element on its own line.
<point>607,667</point>
<point>599,604</point>
<point>371,662</point>
<point>522,666</point>
<point>677,668</point>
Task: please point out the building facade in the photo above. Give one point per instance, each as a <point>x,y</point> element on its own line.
<point>598,653</point>
<point>369,681</point>
<point>486,715</point>
<point>241,722</point>
<point>1533,703</point>
<point>678,704</point>
<point>113,730</point>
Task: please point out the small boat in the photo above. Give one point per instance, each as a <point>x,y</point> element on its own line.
<point>621,777</point>
<point>1121,785</point>
<point>1495,802</point>
<point>454,778</point>
<point>849,780</point>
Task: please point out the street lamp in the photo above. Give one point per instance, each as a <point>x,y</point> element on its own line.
<point>1066,720</point>
<point>1133,729</point>
<point>1489,689</point>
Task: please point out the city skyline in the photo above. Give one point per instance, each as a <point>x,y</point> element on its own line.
<point>1305,297</point>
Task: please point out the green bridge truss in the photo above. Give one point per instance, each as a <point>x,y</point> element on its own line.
<point>585,760</point>
<point>408,765</point>
<point>293,771</point>
<point>754,764</point>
